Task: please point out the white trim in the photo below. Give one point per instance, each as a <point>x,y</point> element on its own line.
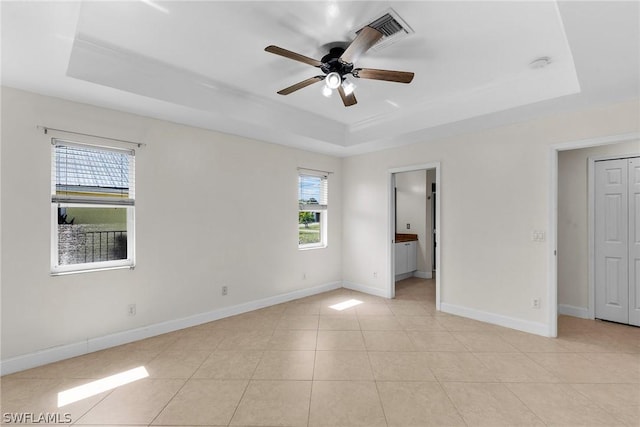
<point>391,236</point>
<point>417,273</point>
<point>591,217</point>
<point>391,226</point>
<point>423,274</point>
<point>42,357</point>
<point>570,310</point>
<point>412,168</point>
<point>54,354</point>
<point>552,247</point>
<point>403,276</point>
<point>438,226</point>
<point>552,279</point>
<point>367,289</point>
<point>496,319</point>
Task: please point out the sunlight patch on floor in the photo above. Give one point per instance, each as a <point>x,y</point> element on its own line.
<point>346,304</point>
<point>96,387</point>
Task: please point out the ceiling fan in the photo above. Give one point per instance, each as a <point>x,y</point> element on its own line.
<point>338,63</point>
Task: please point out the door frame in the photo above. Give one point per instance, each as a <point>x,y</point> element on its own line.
<point>591,223</point>
<point>552,280</point>
<point>391,229</point>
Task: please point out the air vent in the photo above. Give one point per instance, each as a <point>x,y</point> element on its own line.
<point>386,25</point>
<point>391,25</point>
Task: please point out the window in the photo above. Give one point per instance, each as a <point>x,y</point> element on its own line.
<point>312,213</point>
<point>92,207</point>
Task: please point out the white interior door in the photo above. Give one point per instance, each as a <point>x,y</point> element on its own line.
<point>612,240</point>
<point>634,241</point>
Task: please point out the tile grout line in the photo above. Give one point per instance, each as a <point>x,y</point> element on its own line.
<point>109,392</point>
<point>93,406</point>
<point>183,384</point>
<point>375,382</point>
<point>601,407</point>
<point>246,387</point>
<point>313,375</point>
<point>506,385</point>
<point>437,380</point>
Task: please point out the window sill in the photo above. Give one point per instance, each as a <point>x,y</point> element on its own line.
<point>309,248</point>
<point>91,270</point>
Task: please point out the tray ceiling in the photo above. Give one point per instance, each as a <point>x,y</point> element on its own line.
<point>203,64</point>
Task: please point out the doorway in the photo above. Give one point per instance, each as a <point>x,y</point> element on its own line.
<point>430,224</point>
<point>571,228</point>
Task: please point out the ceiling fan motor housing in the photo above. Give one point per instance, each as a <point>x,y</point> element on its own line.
<point>331,63</point>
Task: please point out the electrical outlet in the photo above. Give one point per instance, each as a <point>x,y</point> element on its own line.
<point>535,303</point>
<point>375,274</point>
<point>408,226</point>
<point>225,290</point>
<point>131,309</point>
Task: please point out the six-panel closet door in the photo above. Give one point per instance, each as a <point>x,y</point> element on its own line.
<point>617,240</point>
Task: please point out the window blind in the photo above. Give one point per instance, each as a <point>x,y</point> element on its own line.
<point>313,192</point>
<point>93,175</point>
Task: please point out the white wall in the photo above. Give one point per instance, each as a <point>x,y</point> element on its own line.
<point>573,238</point>
<point>411,209</point>
<point>211,209</point>
<point>197,196</point>
<point>494,192</point>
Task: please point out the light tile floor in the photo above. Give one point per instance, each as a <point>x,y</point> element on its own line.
<point>382,363</point>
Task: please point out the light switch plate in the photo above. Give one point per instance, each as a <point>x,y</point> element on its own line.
<point>537,236</point>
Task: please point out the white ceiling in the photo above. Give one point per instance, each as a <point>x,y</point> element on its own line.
<point>203,63</point>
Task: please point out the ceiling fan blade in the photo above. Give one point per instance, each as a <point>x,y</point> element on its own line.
<point>300,85</point>
<point>366,38</point>
<point>292,55</point>
<point>388,75</point>
<point>347,100</point>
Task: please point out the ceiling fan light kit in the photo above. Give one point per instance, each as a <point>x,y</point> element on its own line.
<point>333,80</point>
<point>348,87</point>
<point>339,63</point>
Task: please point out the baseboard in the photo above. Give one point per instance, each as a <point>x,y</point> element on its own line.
<point>423,274</point>
<point>403,276</point>
<point>55,354</point>
<point>366,289</point>
<point>570,310</point>
<point>497,319</point>
<point>42,357</point>
<point>417,273</point>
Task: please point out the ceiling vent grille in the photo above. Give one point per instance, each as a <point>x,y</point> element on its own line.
<point>386,25</point>
<point>392,27</point>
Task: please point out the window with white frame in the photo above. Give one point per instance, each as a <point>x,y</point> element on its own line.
<point>313,192</point>
<point>92,207</point>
